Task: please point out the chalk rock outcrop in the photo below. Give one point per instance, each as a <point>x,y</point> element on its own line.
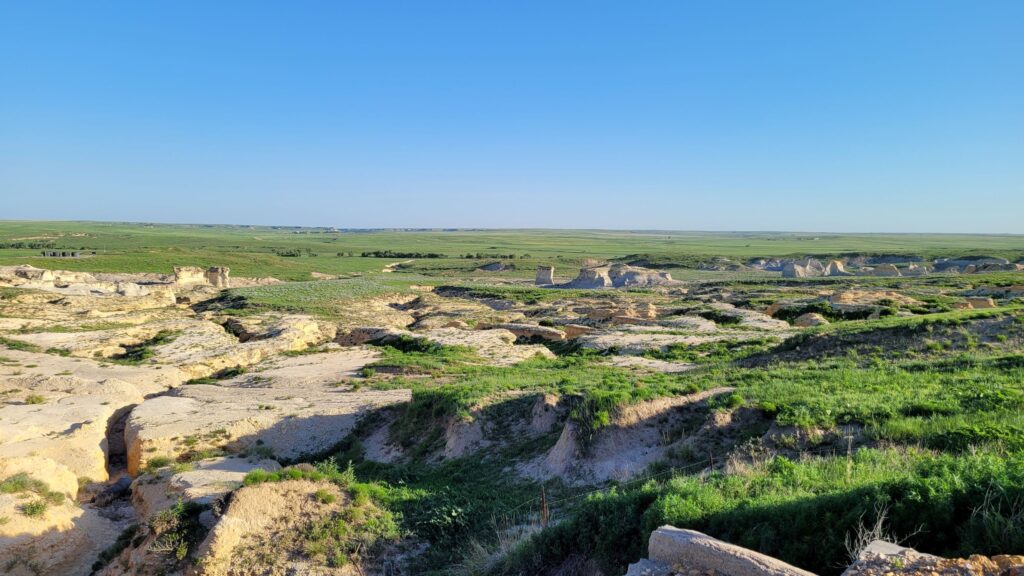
<point>836,268</point>
<point>589,278</point>
<point>34,274</point>
<point>545,276</point>
<point>497,346</point>
<point>619,276</point>
<point>254,513</point>
<point>216,276</point>
<point>793,270</point>
<point>65,540</point>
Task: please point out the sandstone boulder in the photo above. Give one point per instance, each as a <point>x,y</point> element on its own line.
<point>34,274</point>
<point>980,303</point>
<point>574,330</point>
<point>886,270</point>
<point>793,270</point>
<point>590,278</point>
<point>836,268</point>
<point>810,319</point>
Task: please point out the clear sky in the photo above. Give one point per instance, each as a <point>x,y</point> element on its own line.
<point>887,115</point>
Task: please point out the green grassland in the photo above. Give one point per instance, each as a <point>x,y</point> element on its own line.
<point>257,250</point>
<point>938,441</point>
<point>932,397</point>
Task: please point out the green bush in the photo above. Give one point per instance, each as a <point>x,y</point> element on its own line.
<point>34,509</point>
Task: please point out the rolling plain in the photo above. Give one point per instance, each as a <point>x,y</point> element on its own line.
<point>186,399</point>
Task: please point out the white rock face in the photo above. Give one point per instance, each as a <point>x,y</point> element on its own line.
<point>216,276</point>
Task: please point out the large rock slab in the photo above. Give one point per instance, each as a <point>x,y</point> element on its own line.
<point>692,550</point>
<point>212,417</point>
<point>66,421</point>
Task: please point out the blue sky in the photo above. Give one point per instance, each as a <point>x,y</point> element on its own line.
<point>717,115</point>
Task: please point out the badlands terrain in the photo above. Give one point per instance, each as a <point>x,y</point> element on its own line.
<point>246,400</point>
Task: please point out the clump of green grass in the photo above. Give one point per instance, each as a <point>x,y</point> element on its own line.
<point>19,345</point>
<point>34,399</point>
<point>324,496</point>
<point>23,483</point>
<point>156,463</point>
<point>139,353</point>
<point>178,530</point>
<point>34,509</point>
<point>708,352</point>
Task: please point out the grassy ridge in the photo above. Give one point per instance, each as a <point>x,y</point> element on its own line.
<point>255,250</point>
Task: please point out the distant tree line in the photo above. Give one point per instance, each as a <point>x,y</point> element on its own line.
<point>22,244</point>
<point>393,254</point>
<point>293,252</point>
<point>481,256</point>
